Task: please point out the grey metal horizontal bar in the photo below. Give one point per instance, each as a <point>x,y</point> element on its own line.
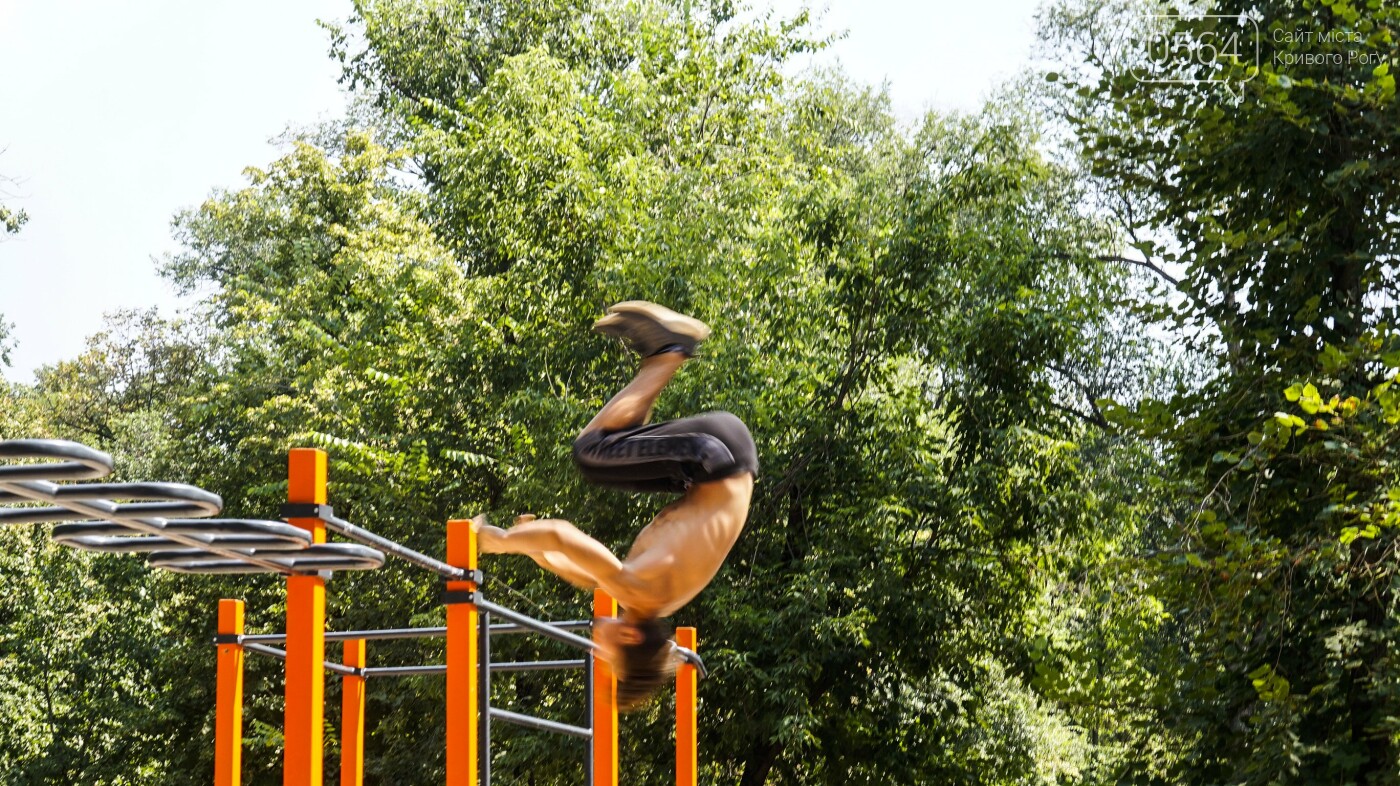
<point>361,535</point>
<point>538,665</point>
<point>341,668</point>
<point>79,462</point>
<point>338,668</point>
<point>536,626</point>
<point>113,537</point>
<point>322,556</point>
<point>348,635</point>
<point>263,649</point>
<point>410,671</point>
<point>415,633</point>
<point>510,627</point>
<point>390,633</point>
<point>415,671</point>
<point>403,671</point>
<point>540,723</point>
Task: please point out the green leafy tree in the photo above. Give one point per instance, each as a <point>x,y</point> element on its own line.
<point>1276,201</point>
<point>84,696</point>
<point>876,269</point>
<point>10,222</point>
<point>11,219</point>
<point>912,322</point>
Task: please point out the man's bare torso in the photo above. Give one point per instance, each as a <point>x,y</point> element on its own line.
<point>682,549</point>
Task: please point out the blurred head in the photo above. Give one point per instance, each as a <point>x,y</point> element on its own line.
<point>639,651</point>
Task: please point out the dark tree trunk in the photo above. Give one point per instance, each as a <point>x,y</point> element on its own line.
<point>759,763</point>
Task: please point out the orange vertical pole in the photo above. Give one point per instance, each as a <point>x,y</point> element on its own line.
<point>604,704</point>
<point>352,717</point>
<point>463,756</point>
<point>228,722</point>
<point>687,752</point>
<point>306,632</point>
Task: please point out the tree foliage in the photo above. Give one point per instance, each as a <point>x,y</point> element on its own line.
<point>1077,459</point>
<point>1277,203</point>
<point>10,222</point>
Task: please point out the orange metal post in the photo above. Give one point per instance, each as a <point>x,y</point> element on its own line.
<point>228,722</point>
<point>687,753</point>
<point>306,633</point>
<point>462,662</point>
<point>352,717</point>
<point>604,704</point>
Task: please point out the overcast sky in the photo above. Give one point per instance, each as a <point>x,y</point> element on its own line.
<point>114,116</point>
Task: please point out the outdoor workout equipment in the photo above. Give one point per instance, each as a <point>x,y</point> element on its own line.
<point>173,525</point>
<point>157,519</point>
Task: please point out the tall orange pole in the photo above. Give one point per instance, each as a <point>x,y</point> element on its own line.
<point>228,721</point>
<point>687,752</point>
<point>463,655</point>
<point>352,717</point>
<point>306,632</point>
<point>604,704</point>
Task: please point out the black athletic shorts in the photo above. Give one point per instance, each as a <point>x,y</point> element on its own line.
<point>667,457</point>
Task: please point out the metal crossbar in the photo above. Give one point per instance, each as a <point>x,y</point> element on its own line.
<point>414,633</point>
<point>540,723</point>
<point>338,668</point>
<point>508,667</point>
<point>362,535</point>
<point>537,626</point>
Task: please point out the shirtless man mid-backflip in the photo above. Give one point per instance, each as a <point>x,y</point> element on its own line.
<point>709,459</point>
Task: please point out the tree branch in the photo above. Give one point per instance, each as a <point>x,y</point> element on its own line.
<point>1095,415</point>
<point>1143,263</point>
<point>1093,419</point>
<point>1122,260</point>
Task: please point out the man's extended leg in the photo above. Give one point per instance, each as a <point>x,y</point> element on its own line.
<point>557,562</point>
<point>557,543</point>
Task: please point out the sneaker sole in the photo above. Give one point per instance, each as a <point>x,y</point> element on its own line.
<point>665,317</point>
<point>611,325</point>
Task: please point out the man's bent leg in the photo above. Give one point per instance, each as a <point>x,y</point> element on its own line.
<point>632,405</point>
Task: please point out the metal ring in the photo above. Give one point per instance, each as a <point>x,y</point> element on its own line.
<point>113,537</point>
<point>163,500</point>
<point>311,560</point>
<point>79,461</point>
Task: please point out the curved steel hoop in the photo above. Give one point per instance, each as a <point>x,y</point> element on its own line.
<point>312,559</point>
<point>167,520</point>
<point>76,462</point>
<point>691,657</point>
<point>163,500</point>
<point>112,537</point>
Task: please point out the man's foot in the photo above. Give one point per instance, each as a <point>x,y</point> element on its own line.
<point>488,538</point>
<point>651,329</point>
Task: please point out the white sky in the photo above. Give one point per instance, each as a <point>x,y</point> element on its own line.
<point>113,116</point>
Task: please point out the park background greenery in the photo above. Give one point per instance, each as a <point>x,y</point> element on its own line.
<point>1075,413</point>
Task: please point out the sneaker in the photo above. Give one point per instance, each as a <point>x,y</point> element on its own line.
<point>651,329</point>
